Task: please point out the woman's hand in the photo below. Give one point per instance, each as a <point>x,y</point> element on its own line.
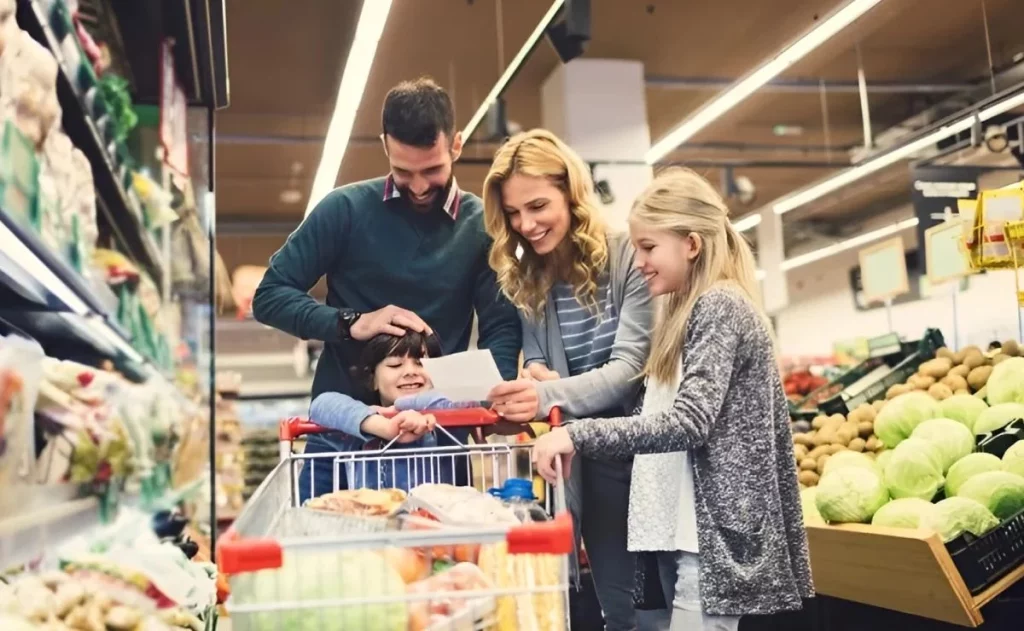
<point>516,401</point>
<point>410,425</point>
<point>551,447</point>
<point>540,372</point>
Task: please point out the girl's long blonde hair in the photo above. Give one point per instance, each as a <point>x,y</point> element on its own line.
<point>684,203</point>
<point>526,281</point>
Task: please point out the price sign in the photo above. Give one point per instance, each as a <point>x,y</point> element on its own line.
<point>944,252</point>
<point>173,113</point>
<point>883,271</point>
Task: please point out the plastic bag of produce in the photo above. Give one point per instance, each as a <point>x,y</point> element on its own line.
<point>963,408</point>
<point>850,495</point>
<point>914,469</point>
<point>1013,459</point>
<point>20,372</point>
<point>999,491</point>
<point>952,439</point>
<point>1006,383</point>
<point>906,512</point>
<point>968,467</point>
<point>897,420</point>
<point>954,516</point>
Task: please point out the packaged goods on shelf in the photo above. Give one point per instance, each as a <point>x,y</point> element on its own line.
<point>20,374</point>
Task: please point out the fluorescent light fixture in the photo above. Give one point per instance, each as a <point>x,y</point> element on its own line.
<point>372,18</point>
<point>20,253</point>
<point>511,69</point>
<point>852,174</point>
<point>842,246</point>
<point>739,91</point>
<point>748,222</point>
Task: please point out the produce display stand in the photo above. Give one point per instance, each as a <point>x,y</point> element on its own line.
<point>909,571</point>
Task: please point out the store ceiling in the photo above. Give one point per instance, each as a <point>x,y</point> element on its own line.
<point>286,59</point>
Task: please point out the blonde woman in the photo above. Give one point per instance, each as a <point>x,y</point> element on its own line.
<point>586,319</point>
<point>733,538</point>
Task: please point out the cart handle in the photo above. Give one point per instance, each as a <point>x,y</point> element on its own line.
<point>292,428</point>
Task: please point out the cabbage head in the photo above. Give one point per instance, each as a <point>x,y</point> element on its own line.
<point>907,512</point>
<point>1006,383</point>
<point>963,408</point>
<point>914,469</point>
<point>807,504</point>
<point>850,495</point>
<point>881,459</point>
<point>999,491</point>
<point>997,416</point>
<point>952,439</point>
<point>897,420</point>
<point>849,459</point>
<point>954,516</point>
<point>968,467</point>
<point>1013,459</point>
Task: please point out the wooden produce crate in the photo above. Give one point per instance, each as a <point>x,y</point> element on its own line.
<point>904,570</point>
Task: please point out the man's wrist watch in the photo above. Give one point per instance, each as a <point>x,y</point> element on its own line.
<point>346,318</point>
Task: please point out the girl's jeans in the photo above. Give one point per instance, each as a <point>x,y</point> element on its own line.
<point>681,583</point>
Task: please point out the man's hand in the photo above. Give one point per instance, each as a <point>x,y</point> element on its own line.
<point>391,320</point>
<point>516,401</point>
<point>410,425</point>
<point>540,372</point>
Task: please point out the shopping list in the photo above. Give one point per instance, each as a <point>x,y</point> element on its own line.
<point>467,376</point>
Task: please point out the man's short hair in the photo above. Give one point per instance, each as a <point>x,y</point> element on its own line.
<point>416,112</point>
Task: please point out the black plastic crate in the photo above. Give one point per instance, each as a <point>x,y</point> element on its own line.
<point>983,560</point>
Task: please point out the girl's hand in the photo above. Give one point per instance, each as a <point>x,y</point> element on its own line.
<point>551,447</point>
<point>540,372</point>
<point>516,401</point>
<point>410,425</point>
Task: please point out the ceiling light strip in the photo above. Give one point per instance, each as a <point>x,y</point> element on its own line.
<point>747,223</point>
<point>372,18</point>
<point>742,89</point>
<point>852,174</point>
<point>842,246</point>
<point>511,69</point>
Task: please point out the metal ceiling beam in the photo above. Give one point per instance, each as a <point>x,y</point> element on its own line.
<point>809,85</point>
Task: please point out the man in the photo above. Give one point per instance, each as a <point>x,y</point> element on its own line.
<point>399,252</point>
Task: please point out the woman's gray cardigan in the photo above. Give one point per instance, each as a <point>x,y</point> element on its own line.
<point>731,414</point>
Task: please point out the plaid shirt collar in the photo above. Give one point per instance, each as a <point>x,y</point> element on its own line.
<point>451,204</point>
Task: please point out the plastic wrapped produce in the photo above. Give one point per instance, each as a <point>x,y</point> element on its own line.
<point>20,373</point>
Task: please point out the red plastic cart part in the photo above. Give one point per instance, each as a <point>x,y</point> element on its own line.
<point>544,537</point>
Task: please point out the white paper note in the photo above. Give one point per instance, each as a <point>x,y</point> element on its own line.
<point>467,376</point>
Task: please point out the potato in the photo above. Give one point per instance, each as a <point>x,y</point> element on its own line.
<point>921,382</point>
<point>954,382</point>
<point>979,377</point>
<point>854,416</point>
<point>946,353</point>
<point>865,429</point>
<point>940,391</point>
<point>817,452</point>
<point>936,368</point>
<point>897,390</point>
<point>834,449</point>
<point>821,463</point>
<point>974,360</point>
<point>800,451</point>
<point>808,464</point>
<point>878,405</point>
<point>808,478</point>
<point>872,443</point>
<point>819,421</point>
<point>803,439</point>
<point>1011,348</point>
<point>835,420</point>
<point>823,437</point>
<point>869,412</point>
<point>846,433</point>
<point>1000,358</point>
<point>960,371</point>
<point>857,444</point>
<point>964,391</point>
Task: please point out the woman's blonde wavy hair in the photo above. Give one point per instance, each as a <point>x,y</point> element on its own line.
<point>684,203</point>
<point>527,280</point>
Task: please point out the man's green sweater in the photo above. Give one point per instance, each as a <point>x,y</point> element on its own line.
<point>375,251</point>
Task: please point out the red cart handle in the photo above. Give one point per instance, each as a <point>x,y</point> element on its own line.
<point>292,428</point>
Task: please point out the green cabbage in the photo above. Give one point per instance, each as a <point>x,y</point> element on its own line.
<point>325,575</point>
<point>1013,459</point>
<point>897,420</point>
<point>850,495</point>
<point>914,469</point>
<point>999,491</point>
<point>849,459</point>
<point>952,439</point>
<point>997,416</point>
<point>907,512</point>
<point>955,515</point>
<point>881,459</point>
<point>1006,383</point>
<point>963,408</point>
<point>807,504</point>
<point>968,467</point>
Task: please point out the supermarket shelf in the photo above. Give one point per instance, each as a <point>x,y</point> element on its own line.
<point>122,215</point>
<point>49,516</point>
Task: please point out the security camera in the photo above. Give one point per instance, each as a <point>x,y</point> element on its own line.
<point>996,139</point>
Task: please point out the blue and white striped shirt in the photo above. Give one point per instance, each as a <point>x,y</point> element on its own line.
<point>587,336</point>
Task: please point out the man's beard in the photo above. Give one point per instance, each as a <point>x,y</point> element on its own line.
<point>440,195</point>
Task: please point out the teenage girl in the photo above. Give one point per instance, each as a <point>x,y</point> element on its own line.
<point>727,514</point>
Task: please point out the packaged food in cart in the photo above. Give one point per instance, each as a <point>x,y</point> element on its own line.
<point>423,574</point>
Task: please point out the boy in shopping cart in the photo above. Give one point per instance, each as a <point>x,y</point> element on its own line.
<point>390,368</point>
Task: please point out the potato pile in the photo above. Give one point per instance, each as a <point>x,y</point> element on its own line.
<point>963,372</point>
<point>829,435</point>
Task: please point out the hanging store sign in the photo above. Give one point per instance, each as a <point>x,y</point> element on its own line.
<point>935,191</point>
<point>173,113</point>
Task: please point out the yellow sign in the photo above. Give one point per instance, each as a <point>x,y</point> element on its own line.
<point>944,252</point>
<point>883,271</point>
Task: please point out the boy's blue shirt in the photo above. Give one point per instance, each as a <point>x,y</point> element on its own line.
<point>343,413</point>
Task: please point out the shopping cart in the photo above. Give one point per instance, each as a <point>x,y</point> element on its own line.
<point>291,567</point>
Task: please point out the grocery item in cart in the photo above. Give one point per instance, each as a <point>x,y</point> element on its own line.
<point>517,494</point>
<point>461,505</point>
<point>542,608</point>
<point>360,502</point>
<point>450,610</point>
